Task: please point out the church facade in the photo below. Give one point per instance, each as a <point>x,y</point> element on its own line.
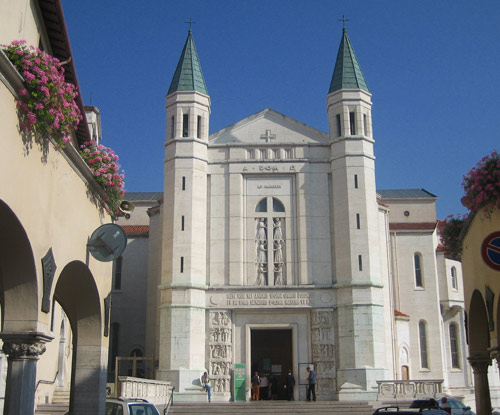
<point>271,249</point>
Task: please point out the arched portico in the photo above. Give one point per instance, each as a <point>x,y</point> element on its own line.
<point>78,295</point>
<point>479,343</point>
<point>23,343</point>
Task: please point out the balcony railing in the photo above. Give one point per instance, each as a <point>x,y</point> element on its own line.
<point>409,389</point>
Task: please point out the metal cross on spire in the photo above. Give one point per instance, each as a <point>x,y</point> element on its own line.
<point>190,21</point>
<point>343,20</point>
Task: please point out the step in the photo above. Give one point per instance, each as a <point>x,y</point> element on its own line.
<point>52,409</point>
<point>277,407</point>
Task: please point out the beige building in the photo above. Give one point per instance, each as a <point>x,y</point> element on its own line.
<point>481,268</point>
<point>53,294</point>
<point>271,248</point>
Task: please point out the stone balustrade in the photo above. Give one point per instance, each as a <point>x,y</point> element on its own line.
<point>155,391</point>
<point>409,389</point>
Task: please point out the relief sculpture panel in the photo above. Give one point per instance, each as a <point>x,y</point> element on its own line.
<point>323,350</point>
<point>220,350</point>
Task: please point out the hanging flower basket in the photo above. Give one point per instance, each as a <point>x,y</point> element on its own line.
<point>449,231</point>
<point>48,107</point>
<point>103,163</point>
<point>482,185</point>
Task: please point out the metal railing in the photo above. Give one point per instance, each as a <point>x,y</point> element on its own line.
<point>170,401</point>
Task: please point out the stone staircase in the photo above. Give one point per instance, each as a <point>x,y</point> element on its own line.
<point>59,405</point>
<point>274,407</point>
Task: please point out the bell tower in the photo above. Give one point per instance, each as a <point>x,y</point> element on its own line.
<point>357,270</point>
<point>183,274</point>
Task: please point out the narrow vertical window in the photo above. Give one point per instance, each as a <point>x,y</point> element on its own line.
<point>182,223</point>
<point>418,270</point>
<point>358,224</point>
<point>455,361</point>
<point>352,122</point>
<point>424,362</point>
<point>183,182</point>
<point>360,262</point>
<point>118,273</point>
<point>339,126</point>
<point>365,125</point>
<point>185,125</point>
<point>53,313</point>
<point>172,127</point>
<point>182,264</point>
<point>198,127</point>
<point>114,337</point>
<point>454,284</point>
<point>355,181</point>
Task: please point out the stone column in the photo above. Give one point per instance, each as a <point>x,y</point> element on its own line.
<point>479,366</point>
<point>23,351</point>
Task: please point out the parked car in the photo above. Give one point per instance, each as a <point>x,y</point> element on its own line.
<point>457,407</point>
<point>118,406</point>
<point>392,410</point>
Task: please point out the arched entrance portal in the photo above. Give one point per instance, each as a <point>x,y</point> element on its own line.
<point>77,293</point>
<point>271,356</point>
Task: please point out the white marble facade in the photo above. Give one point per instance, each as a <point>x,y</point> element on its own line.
<point>270,224</point>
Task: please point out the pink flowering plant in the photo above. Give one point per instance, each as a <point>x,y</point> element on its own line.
<point>48,101</point>
<point>482,185</point>
<point>449,231</point>
<point>482,193</point>
<point>103,163</point>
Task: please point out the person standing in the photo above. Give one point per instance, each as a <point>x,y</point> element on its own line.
<point>274,387</point>
<point>311,382</point>
<point>445,406</point>
<point>290,383</point>
<point>205,382</point>
<point>255,386</point>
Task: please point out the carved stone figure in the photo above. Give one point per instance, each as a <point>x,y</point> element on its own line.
<point>261,275</point>
<point>261,230</point>
<point>261,253</point>
<point>278,275</point>
<point>278,232</point>
<point>278,252</point>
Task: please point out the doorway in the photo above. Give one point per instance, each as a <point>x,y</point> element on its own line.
<point>271,356</point>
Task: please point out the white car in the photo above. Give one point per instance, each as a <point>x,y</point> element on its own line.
<point>457,407</point>
<point>118,406</point>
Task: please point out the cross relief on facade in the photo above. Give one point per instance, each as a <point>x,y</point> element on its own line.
<point>268,136</point>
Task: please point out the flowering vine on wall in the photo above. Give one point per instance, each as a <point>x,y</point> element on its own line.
<point>48,109</point>
<point>104,165</point>
<point>482,193</point>
<point>48,105</point>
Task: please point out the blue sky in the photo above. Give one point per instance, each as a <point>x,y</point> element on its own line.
<point>432,67</point>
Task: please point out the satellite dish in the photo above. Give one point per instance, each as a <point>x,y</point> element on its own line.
<point>107,242</point>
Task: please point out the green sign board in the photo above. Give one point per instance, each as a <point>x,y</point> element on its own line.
<point>239,382</point>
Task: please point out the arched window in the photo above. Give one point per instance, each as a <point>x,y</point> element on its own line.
<point>454,283</point>
<point>422,334</point>
<point>417,261</point>
<point>455,360</point>
<point>270,242</point>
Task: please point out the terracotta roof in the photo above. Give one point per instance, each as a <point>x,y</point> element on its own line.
<point>424,226</point>
<point>136,230</point>
<point>398,313</point>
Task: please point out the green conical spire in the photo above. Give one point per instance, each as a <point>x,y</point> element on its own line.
<point>188,75</point>
<point>347,73</point>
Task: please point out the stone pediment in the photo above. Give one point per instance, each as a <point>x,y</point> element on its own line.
<point>269,127</point>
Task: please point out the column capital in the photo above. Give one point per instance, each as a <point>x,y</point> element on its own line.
<point>28,345</point>
<point>479,364</point>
